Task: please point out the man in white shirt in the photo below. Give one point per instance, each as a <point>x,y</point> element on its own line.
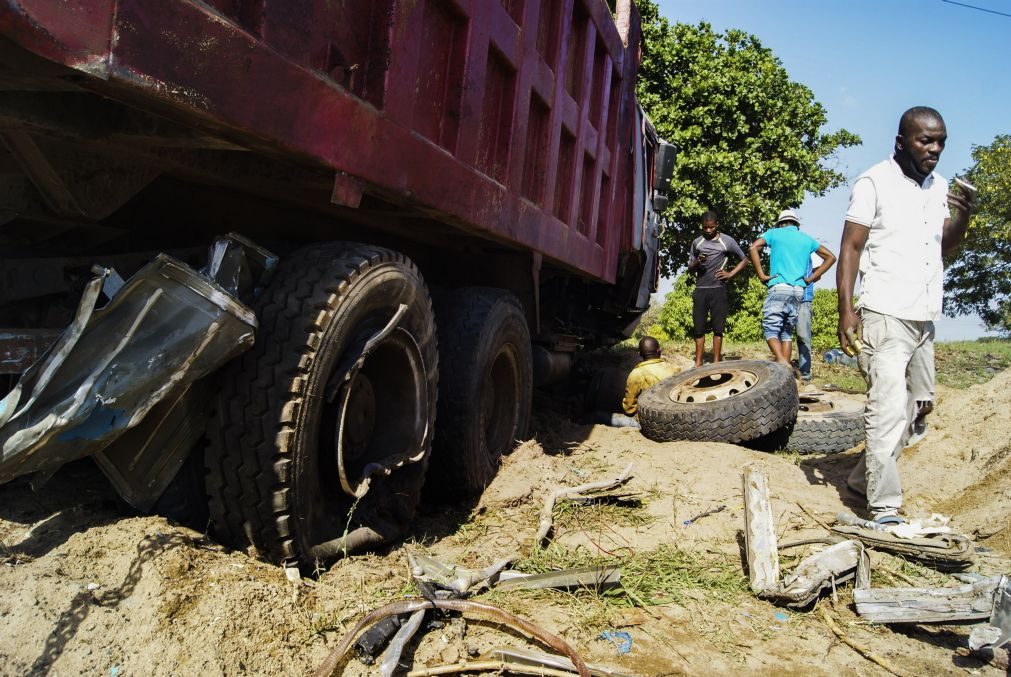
<point>898,225</point>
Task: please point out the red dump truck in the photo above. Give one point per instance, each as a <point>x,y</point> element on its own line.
<point>460,194</point>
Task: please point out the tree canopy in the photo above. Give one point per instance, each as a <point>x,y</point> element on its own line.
<point>751,140</point>
<point>978,276</point>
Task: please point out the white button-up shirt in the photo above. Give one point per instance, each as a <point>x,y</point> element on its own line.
<point>901,273</point>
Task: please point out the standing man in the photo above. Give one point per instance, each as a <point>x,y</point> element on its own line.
<point>789,262</point>
<point>901,220</point>
<point>804,317</point>
<point>708,257</point>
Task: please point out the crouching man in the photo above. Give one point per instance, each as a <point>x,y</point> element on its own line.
<point>650,371</point>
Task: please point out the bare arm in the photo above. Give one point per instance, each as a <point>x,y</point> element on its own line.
<point>727,274</point>
<point>853,240</point>
<point>827,261</point>
<point>756,260</point>
<point>954,228</point>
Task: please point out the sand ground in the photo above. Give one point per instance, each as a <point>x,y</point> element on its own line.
<point>87,590</point>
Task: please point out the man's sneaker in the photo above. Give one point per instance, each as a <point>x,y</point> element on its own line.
<point>888,520</point>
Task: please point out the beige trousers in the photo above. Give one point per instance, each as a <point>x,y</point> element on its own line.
<point>898,363</point>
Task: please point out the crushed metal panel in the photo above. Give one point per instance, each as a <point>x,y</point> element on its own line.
<point>839,562</point>
<point>944,552</point>
<point>821,571</point>
<point>997,632</point>
<point>585,578</point>
<point>240,266</point>
<point>166,328</point>
<point>517,656</point>
<point>142,461</point>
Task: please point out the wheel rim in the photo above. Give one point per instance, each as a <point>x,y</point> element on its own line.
<point>380,417</point>
<point>815,404</point>
<point>499,401</point>
<point>714,386</point>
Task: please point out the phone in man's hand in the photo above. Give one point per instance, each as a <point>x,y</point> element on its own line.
<point>966,187</point>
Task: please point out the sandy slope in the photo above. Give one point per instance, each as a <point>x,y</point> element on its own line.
<point>84,590</point>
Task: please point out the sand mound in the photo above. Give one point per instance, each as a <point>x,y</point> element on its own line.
<point>963,467</point>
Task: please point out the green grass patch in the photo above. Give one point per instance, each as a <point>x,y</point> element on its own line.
<point>837,376</point>
<point>961,364</point>
<point>663,576</point>
<point>666,575</point>
<point>895,571</point>
<point>599,516</point>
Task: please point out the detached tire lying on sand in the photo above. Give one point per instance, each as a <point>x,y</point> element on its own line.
<point>724,402</point>
<point>825,425</point>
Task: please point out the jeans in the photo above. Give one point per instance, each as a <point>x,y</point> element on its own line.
<point>804,339</point>
<point>779,312</point>
<point>898,362</point>
<point>619,420</point>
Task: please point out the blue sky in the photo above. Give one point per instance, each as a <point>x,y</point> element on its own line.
<point>869,60</point>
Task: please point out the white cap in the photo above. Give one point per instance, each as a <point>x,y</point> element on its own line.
<point>788,215</point>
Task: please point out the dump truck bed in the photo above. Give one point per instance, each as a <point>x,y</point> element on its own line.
<point>507,119</point>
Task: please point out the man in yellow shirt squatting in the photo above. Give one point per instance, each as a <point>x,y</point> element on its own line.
<point>647,373</point>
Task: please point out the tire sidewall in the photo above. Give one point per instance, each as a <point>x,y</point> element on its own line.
<point>767,406</point>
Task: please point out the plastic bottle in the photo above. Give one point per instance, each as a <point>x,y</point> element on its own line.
<point>837,356</point>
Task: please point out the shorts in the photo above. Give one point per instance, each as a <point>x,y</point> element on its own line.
<point>711,303</point>
<point>779,312</point>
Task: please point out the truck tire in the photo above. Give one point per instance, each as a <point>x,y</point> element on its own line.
<point>486,385</point>
<point>825,425</point>
<point>723,402</point>
<point>312,398</point>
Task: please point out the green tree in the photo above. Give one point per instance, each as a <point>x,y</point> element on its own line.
<point>751,140</point>
<point>744,324</point>
<point>673,320</point>
<point>745,295</point>
<point>824,319</point>
<point>978,275</point>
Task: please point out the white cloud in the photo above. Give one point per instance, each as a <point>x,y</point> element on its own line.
<point>848,99</point>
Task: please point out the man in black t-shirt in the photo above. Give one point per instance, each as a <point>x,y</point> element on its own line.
<point>708,258</point>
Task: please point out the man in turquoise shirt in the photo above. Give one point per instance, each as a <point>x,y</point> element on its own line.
<point>789,261</point>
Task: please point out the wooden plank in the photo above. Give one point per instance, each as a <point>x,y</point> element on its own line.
<point>927,605</point>
<point>759,533</point>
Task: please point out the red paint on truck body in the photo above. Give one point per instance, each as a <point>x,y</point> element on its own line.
<point>507,118</point>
